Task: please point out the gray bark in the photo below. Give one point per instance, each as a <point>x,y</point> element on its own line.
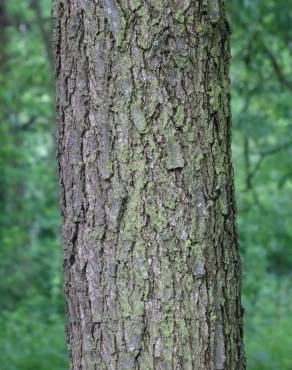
<point>151,262</point>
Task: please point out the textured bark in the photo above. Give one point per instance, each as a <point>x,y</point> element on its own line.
<point>152,270</point>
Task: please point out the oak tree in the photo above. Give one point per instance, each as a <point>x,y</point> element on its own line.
<point>151,261</point>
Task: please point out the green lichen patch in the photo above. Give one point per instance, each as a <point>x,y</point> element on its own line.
<point>138,116</point>
<point>179,117</point>
<point>175,157</point>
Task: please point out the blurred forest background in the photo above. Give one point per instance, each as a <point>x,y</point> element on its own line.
<point>32,309</point>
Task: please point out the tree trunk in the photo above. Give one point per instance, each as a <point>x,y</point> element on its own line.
<point>152,270</point>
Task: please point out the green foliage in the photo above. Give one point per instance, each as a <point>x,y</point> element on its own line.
<point>262,148</point>
<point>32,308</point>
<point>269,325</point>
<point>29,341</point>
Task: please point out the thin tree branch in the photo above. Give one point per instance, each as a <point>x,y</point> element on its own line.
<point>277,68</point>
<point>267,153</point>
<point>35,5</point>
<point>24,126</point>
<point>284,179</point>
